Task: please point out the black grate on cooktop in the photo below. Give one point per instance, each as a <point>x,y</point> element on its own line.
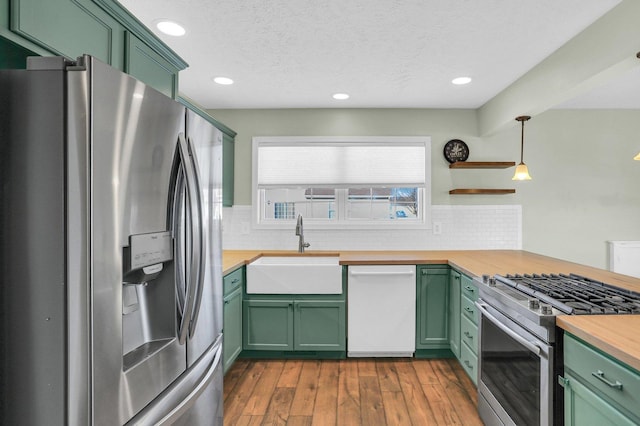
<point>574,294</point>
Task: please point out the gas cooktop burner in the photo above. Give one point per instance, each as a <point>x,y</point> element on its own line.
<point>574,294</point>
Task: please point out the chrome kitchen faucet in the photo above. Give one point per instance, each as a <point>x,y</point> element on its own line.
<point>300,232</point>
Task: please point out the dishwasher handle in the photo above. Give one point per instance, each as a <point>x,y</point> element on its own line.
<point>378,273</point>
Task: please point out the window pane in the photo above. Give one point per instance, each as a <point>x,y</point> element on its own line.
<point>288,203</point>
<point>382,203</point>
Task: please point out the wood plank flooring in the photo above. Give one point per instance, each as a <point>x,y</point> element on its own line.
<point>371,391</point>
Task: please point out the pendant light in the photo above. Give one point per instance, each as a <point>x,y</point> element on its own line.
<point>522,172</point>
<point>637,157</point>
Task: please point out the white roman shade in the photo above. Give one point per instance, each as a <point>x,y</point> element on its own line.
<point>341,162</point>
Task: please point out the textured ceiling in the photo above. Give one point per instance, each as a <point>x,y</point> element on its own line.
<point>384,53</point>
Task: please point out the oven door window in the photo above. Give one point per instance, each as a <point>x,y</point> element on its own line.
<point>512,374</point>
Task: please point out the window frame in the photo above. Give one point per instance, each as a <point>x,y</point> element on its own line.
<point>341,222</point>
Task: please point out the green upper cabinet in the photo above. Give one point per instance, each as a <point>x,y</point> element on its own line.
<point>100,28</point>
<point>228,137</point>
<point>432,299</point>
<point>228,155</point>
<point>69,28</point>
<point>145,64</point>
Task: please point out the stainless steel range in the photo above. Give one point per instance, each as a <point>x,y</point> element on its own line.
<point>520,346</point>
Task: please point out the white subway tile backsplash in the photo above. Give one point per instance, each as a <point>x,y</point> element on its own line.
<point>463,228</point>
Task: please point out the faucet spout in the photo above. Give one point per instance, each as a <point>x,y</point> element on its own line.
<point>300,232</point>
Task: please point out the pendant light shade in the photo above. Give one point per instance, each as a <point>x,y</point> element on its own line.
<point>522,171</point>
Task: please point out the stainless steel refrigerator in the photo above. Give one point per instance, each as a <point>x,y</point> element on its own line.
<point>111,254</point>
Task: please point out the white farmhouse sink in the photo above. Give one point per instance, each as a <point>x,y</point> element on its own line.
<point>295,275</point>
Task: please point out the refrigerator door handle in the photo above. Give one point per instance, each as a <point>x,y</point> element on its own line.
<point>176,228</point>
<point>195,236</point>
<point>201,261</point>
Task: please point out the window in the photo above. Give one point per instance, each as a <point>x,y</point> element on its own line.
<point>341,182</point>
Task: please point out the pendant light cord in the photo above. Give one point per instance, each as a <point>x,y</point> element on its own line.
<point>522,143</point>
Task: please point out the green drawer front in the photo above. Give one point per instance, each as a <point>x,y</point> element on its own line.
<point>469,289</point>
<point>619,383</point>
<point>233,280</point>
<point>469,310</point>
<point>469,333</point>
<point>469,362</point>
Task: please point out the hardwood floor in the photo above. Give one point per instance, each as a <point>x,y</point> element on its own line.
<point>371,391</point>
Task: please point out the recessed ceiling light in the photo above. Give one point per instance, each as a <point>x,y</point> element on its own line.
<point>461,80</point>
<point>340,96</point>
<point>171,28</point>
<point>223,80</point>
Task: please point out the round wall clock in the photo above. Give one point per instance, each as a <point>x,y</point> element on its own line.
<point>456,150</point>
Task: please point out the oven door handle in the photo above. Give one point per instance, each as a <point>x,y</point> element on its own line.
<point>532,346</point>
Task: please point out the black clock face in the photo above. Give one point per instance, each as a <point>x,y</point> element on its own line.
<point>456,150</point>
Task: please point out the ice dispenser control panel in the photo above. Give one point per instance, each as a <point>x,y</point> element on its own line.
<point>145,255</point>
<point>150,249</point>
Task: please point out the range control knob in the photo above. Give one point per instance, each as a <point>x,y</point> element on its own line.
<point>492,282</point>
<point>545,309</point>
<point>534,303</point>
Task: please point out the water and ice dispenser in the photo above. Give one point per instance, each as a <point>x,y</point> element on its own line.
<point>148,296</point>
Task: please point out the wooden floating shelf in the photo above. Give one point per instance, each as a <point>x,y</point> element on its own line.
<point>481,191</point>
<point>482,164</point>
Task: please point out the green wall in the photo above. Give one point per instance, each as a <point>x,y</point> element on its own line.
<point>585,188</point>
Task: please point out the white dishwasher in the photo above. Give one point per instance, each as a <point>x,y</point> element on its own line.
<point>381,311</point>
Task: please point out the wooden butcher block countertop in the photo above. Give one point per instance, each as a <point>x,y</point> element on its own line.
<point>615,334</point>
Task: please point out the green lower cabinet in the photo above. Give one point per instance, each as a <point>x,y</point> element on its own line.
<point>598,388</point>
<point>469,318</point>
<point>454,313</point>
<point>294,325</point>
<point>432,313</point>
<point>319,326</point>
<point>267,325</point>
<point>469,361</point>
<point>232,337</point>
<point>583,407</point>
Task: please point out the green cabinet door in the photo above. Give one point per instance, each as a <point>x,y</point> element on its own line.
<point>145,64</point>
<point>583,407</point>
<point>232,323</point>
<point>70,28</point>
<point>267,325</point>
<point>432,316</point>
<point>228,155</point>
<point>319,325</point>
<point>454,312</point>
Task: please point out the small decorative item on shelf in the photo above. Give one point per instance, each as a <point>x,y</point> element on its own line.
<point>456,150</point>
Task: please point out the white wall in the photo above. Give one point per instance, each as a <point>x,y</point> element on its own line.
<point>585,188</point>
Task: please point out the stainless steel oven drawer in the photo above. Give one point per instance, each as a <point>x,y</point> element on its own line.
<point>618,382</point>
